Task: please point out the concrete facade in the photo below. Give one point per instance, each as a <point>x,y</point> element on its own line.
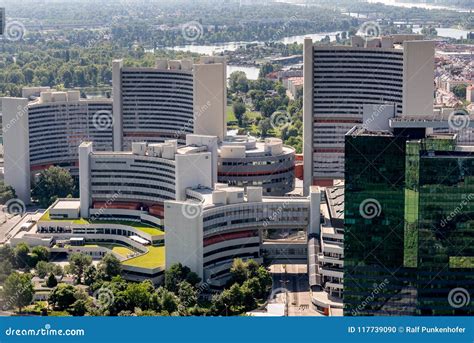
<point>245,162</point>
<point>340,80</point>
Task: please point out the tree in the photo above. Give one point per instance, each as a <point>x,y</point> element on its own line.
<point>57,270</point>
<point>18,290</point>
<point>265,69</point>
<point>41,253</point>
<point>238,271</point>
<point>62,296</point>
<point>238,82</point>
<point>43,268</point>
<point>90,275</point>
<point>460,91</point>
<point>52,183</point>
<point>51,281</point>
<point>167,300</point>
<point>78,262</point>
<point>79,307</point>
<point>22,251</point>
<point>110,266</point>
<point>193,279</point>
<point>187,294</point>
<point>6,267</point>
<point>139,294</point>
<point>6,193</point>
<point>264,126</point>
<point>239,110</point>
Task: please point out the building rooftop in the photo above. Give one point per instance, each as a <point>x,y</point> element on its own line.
<point>222,195</point>
<point>335,197</point>
<point>361,131</point>
<point>67,205</point>
<point>254,147</point>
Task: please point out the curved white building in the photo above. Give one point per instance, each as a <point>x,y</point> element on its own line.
<point>245,162</point>
<point>42,131</point>
<point>212,227</point>
<point>168,101</point>
<point>143,178</point>
<point>338,82</point>
<point>175,98</point>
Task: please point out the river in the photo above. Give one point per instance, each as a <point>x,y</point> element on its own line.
<point>232,46</point>
<point>419,5</point>
<point>251,72</point>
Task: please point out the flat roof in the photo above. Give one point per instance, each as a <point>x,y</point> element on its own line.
<point>67,205</point>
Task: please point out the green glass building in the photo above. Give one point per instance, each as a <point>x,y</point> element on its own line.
<point>409,236</point>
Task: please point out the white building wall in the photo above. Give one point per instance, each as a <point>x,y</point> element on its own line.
<point>418,78</point>
<point>117,104</point>
<point>211,142</point>
<point>184,235</point>
<point>85,149</point>
<point>16,146</point>
<point>192,170</point>
<point>307,115</point>
<point>210,97</point>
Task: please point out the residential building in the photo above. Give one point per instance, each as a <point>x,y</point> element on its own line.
<point>338,82</point>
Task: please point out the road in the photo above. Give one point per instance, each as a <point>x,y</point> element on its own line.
<point>290,286</point>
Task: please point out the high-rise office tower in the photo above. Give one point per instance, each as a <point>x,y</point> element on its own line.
<point>44,128</point>
<point>168,101</point>
<point>338,82</point>
<point>409,233</point>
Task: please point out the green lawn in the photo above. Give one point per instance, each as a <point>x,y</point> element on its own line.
<point>46,217</point>
<point>230,114</point>
<point>154,258</point>
<point>253,114</point>
<point>82,221</point>
<point>135,224</point>
<point>123,251</point>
